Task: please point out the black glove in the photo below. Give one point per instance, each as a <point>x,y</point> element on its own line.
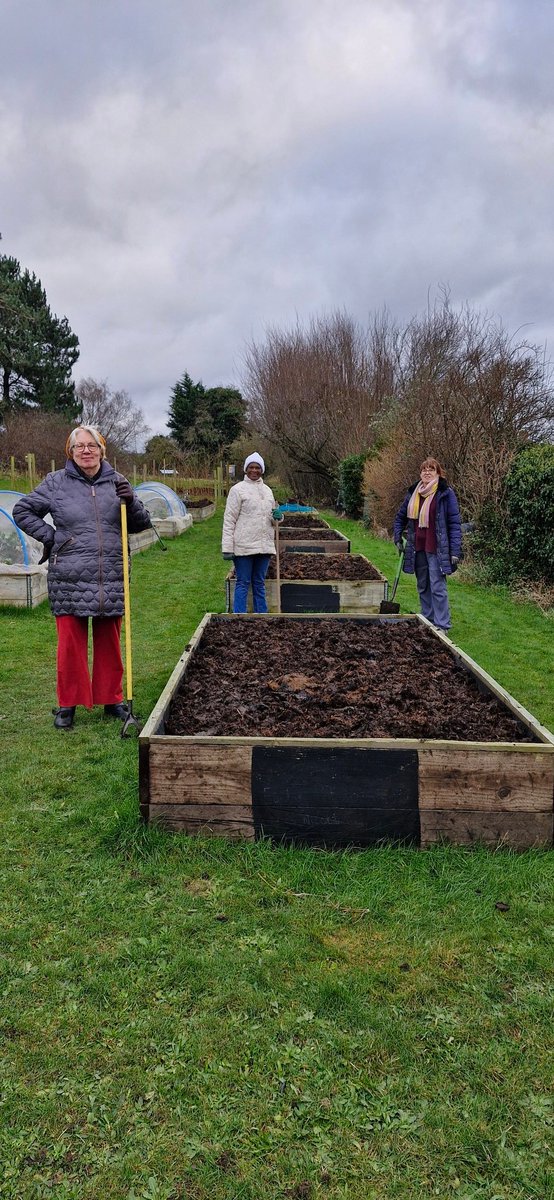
<point>124,490</point>
<point>454,560</point>
<point>400,546</point>
<point>46,551</point>
<point>227,554</point>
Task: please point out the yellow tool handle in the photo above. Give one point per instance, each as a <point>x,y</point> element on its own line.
<point>127,604</point>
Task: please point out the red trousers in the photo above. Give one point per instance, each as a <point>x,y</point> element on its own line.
<point>75,685</point>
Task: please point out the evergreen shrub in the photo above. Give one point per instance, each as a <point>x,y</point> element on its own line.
<point>530,499</point>
<point>350,478</point>
<point>515,540</point>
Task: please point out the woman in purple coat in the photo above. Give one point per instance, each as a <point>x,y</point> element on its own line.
<point>429,518</point>
<point>85,569</point>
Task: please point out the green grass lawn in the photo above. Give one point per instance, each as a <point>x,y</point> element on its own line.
<point>190,1018</point>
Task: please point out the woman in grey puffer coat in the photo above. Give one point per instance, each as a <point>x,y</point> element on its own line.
<point>85,569</point>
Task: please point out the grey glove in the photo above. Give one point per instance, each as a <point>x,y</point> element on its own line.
<point>227,554</point>
<point>124,490</point>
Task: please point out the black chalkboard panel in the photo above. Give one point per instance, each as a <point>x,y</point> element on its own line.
<point>335,797</point>
<point>300,597</point>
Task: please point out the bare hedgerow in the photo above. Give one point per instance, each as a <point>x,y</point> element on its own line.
<point>31,432</point>
<point>468,394</point>
<point>452,383</point>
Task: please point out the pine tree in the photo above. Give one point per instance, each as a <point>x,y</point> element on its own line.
<point>205,420</point>
<point>37,349</point>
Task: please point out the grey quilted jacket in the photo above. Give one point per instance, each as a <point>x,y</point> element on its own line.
<point>85,565</point>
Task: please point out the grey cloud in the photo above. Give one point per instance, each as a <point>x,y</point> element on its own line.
<point>183,175</point>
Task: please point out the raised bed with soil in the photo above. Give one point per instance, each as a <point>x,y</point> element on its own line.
<point>305,520</point>
<point>343,731</point>
<point>313,541</point>
<point>201,509</point>
<point>321,583</point>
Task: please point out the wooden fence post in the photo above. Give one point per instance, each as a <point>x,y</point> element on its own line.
<point>30,460</point>
<point>52,464</point>
<point>134,475</point>
<point>12,469</point>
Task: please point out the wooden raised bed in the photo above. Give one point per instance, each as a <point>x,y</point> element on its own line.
<point>141,541</point>
<point>172,526</point>
<point>320,594</point>
<point>200,510</point>
<point>24,587</point>
<point>313,541</point>
<point>347,791</point>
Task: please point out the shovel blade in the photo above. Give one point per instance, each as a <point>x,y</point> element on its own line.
<point>389,606</point>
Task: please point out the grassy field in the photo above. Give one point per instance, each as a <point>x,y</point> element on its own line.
<point>196,1019</point>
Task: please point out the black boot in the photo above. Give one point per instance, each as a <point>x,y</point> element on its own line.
<point>117,710</point>
<point>64,717</point>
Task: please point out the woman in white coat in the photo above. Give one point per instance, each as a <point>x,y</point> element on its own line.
<point>248,534</point>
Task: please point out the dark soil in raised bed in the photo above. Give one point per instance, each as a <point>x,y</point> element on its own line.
<point>198,503</point>
<point>308,535</point>
<point>324,566</point>
<point>273,677</point>
<point>306,520</point>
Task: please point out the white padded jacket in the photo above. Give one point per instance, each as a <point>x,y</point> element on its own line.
<point>247,522</point>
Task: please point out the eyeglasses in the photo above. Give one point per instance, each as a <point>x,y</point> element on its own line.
<point>89,446</point>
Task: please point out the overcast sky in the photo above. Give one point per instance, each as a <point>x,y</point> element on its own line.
<point>182,174</point>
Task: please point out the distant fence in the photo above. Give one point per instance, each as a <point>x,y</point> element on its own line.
<point>213,487</point>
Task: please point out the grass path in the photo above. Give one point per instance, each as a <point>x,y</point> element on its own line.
<point>188,1018</point>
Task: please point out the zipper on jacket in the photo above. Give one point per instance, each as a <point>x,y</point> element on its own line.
<point>100,553</point>
<point>60,548</point>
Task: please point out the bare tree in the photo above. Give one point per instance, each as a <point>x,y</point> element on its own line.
<point>468,393</point>
<point>452,383</point>
<point>314,392</point>
<point>113,413</point>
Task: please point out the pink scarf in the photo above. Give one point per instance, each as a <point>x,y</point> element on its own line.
<point>428,491</point>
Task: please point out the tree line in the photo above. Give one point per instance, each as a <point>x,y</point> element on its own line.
<point>333,399</point>
<point>337,408</point>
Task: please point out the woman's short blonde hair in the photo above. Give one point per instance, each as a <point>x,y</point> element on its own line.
<point>93,433</point>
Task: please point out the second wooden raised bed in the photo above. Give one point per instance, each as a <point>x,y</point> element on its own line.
<point>318,584</point>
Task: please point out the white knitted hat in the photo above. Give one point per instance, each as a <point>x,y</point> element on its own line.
<point>254,458</point>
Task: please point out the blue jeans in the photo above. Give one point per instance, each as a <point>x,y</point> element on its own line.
<point>250,571</point>
<point>431,585</point>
